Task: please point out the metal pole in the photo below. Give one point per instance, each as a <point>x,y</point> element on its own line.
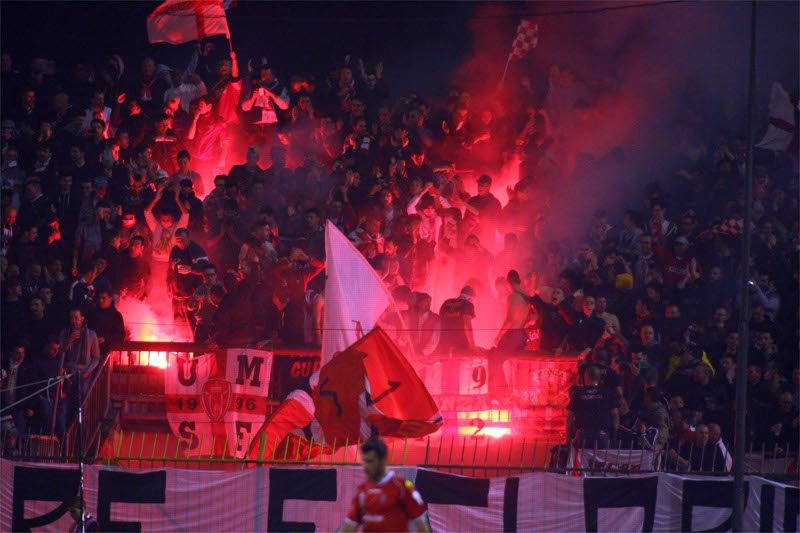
<point>79,393</point>
<point>505,71</point>
<point>744,297</point>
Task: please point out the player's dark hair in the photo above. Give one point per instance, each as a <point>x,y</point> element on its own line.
<point>376,445</point>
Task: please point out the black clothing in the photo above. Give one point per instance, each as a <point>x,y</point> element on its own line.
<point>592,406</point>
<point>552,325</point>
<point>451,318</point>
<point>709,458</point>
<point>107,323</point>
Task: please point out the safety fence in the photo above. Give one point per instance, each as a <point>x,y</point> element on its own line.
<point>487,457</point>
<point>480,458</point>
<point>82,437</point>
<point>131,382</point>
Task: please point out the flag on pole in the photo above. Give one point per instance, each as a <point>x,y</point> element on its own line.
<point>355,297</point>
<point>781,135</point>
<point>527,38</point>
<point>183,21</point>
<point>369,384</point>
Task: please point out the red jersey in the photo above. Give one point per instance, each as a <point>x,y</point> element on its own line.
<point>386,505</point>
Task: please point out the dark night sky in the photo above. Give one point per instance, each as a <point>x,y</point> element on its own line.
<point>422,43</point>
<point>296,37</point>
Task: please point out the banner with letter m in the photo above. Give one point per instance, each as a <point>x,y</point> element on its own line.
<point>217,401</point>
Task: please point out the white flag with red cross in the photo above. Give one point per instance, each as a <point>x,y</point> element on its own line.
<point>183,21</point>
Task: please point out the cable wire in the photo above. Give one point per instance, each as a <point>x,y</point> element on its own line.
<point>54,383</point>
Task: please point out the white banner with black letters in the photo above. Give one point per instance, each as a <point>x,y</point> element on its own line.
<point>216,402</point>
<point>35,497</point>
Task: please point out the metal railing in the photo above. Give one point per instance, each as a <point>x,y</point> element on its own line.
<point>96,407</point>
<point>478,457</point>
<point>154,353</point>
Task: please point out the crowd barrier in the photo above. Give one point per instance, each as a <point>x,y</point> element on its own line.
<point>477,440</point>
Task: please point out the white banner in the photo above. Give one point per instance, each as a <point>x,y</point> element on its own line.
<point>622,460</point>
<point>216,402</point>
<point>36,497</point>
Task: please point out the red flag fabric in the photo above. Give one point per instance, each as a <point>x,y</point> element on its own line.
<point>370,384</point>
<point>398,404</point>
<point>340,398</point>
<point>297,411</point>
<point>526,39</point>
<point>183,21</point>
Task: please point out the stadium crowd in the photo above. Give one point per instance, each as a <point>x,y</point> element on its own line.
<point>206,190</point>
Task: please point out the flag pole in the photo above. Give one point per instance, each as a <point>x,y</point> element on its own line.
<point>505,71</point>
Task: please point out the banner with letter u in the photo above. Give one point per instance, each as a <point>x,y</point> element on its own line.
<point>216,401</point>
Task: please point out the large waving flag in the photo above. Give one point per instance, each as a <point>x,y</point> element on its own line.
<point>355,297</point>
<point>782,132</point>
<point>368,385</point>
<point>183,21</point>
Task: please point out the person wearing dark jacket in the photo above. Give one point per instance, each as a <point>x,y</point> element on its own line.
<point>551,321</point>
<point>700,455</point>
<point>107,322</point>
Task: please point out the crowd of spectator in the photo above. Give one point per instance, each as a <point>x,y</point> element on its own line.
<point>212,185</point>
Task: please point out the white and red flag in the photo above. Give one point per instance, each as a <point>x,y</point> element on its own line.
<point>527,38</point>
<point>781,134</point>
<point>355,296</point>
<point>369,384</point>
<point>183,21</point>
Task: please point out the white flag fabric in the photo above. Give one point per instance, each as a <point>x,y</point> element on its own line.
<point>183,21</point>
<point>782,130</point>
<point>355,297</point>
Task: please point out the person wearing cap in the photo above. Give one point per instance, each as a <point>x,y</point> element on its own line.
<point>455,325</point>
<point>101,188</point>
<point>679,267</point>
<point>488,208</point>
